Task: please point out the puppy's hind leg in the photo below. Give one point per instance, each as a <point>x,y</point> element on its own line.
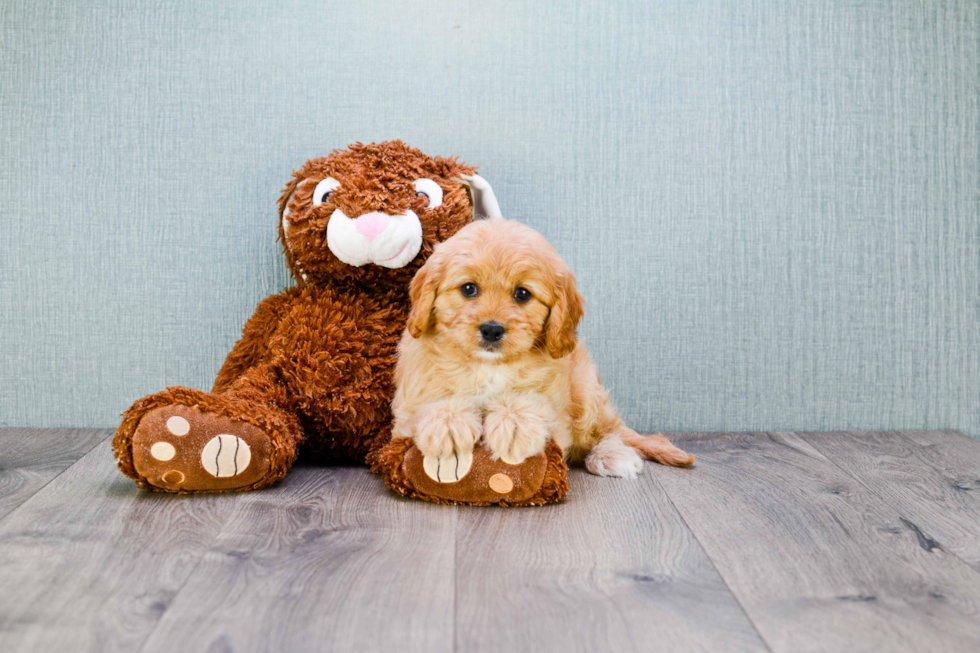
<point>610,456</point>
<point>619,453</point>
<point>656,448</point>
<point>614,448</point>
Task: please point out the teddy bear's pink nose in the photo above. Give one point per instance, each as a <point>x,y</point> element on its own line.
<point>371,225</point>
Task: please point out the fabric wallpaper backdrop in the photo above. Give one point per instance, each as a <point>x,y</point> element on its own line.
<point>772,207</point>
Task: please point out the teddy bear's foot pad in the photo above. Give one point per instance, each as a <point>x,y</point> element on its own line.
<point>180,449</point>
<point>474,478</point>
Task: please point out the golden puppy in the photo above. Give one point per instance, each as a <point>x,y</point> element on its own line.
<point>490,353</point>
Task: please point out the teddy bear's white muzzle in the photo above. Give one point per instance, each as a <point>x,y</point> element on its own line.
<point>390,241</point>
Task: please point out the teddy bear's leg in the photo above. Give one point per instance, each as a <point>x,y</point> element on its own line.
<point>183,440</point>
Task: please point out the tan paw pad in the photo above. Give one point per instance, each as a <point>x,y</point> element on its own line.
<point>511,459</point>
<point>226,455</point>
<point>450,469</point>
<point>173,477</point>
<point>178,425</point>
<point>163,451</point>
<point>501,483</point>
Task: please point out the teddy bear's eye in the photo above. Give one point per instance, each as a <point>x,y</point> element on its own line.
<point>431,190</point>
<point>324,190</point>
<point>469,290</point>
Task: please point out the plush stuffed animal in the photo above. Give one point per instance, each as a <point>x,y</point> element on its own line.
<point>313,369</point>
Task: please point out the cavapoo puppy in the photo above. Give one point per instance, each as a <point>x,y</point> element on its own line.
<point>490,354</point>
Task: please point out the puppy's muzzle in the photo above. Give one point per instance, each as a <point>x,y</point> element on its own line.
<point>492,332</point>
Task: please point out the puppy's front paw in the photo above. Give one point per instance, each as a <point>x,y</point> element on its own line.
<point>517,429</point>
<point>443,428</point>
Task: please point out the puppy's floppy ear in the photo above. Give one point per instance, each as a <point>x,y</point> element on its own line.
<point>559,330</point>
<point>423,291</point>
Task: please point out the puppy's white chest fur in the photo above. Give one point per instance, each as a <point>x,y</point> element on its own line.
<point>491,382</point>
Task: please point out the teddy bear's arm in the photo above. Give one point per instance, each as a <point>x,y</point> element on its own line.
<point>254,343</point>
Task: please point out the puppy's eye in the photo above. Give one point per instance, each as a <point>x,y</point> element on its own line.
<point>324,190</point>
<point>430,190</point>
<point>469,290</point>
<point>521,295</point>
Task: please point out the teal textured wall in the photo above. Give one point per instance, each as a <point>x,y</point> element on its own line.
<point>772,207</point>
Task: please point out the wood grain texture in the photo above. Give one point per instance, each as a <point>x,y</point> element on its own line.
<point>932,477</point>
<point>819,542</point>
<point>30,458</point>
<point>612,568</point>
<point>328,560</point>
<point>817,561</point>
<point>90,564</point>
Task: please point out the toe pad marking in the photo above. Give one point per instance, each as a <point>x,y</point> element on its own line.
<point>501,483</point>
<point>450,469</point>
<point>225,455</point>
<point>163,451</point>
<point>178,425</point>
<point>173,477</point>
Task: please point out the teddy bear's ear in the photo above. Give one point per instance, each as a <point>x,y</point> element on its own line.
<point>294,186</point>
<point>288,192</point>
<point>484,201</point>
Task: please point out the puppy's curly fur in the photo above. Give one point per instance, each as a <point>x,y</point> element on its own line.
<point>459,381</point>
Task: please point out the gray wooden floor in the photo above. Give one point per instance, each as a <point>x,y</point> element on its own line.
<point>774,541</point>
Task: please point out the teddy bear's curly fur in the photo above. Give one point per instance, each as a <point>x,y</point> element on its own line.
<point>313,369</point>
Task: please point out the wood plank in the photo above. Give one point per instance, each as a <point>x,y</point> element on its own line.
<point>89,563</point>
<point>819,562</point>
<point>330,560</point>
<point>613,568</point>
<point>932,477</point>
<point>30,458</point>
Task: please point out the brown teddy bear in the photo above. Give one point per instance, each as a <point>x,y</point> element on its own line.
<point>314,365</point>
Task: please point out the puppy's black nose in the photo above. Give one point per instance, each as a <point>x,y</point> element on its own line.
<point>492,331</point>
